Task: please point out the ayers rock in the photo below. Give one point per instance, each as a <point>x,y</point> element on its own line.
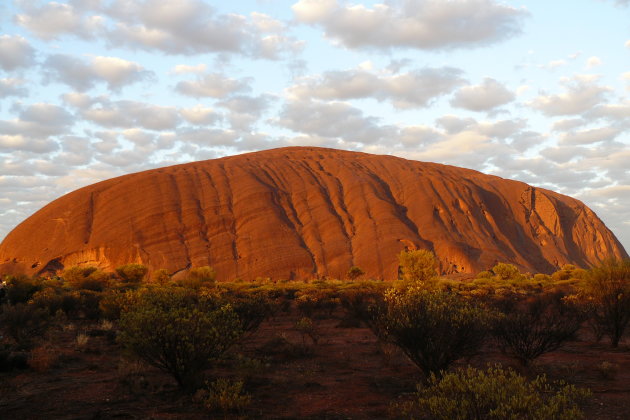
<point>305,212</point>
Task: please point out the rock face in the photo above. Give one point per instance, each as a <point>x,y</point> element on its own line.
<point>306,212</point>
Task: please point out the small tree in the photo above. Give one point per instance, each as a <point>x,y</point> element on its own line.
<point>495,393</point>
<point>417,265</point>
<point>608,287</point>
<point>172,331</point>
<point>433,328</point>
<point>536,326</point>
<point>355,272</point>
<point>132,274</point>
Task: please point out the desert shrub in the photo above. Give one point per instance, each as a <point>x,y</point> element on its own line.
<point>161,276</point>
<point>226,396</point>
<point>361,304</point>
<point>19,289</point>
<point>24,323</point>
<point>251,308</point>
<point>354,272</point>
<point>49,299</point>
<point>433,328</point>
<point>484,275</point>
<point>112,303</point>
<point>132,274</point>
<point>608,291</point>
<point>309,302</point>
<point>307,328</point>
<point>607,370</point>
<point>506,272</point>
<point>417,266</point>
<point>494,393</point>
<point>86,278</point>
<point>280,348</point>
<point>178,335</point>
<point>82,303</point>
<point>568,272</point>
<point>536,326</point>
<point>541,278</point>
<point>198,277</point>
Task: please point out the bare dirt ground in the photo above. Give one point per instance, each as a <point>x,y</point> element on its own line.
<point>348,374</point>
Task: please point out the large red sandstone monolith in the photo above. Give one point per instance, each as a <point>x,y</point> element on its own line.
<point>304,212</point>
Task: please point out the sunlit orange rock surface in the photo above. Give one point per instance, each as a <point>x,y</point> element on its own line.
<point>305,212</point>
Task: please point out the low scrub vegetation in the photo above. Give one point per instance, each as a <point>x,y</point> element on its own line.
<point>493,393</point>
<point>191,328</point>
<point>433,328</point>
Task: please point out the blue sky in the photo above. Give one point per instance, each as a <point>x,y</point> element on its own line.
<point>536,91</point>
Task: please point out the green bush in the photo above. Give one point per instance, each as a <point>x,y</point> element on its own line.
<point>226,396</point>
<point>536,326</point>
<point>24,323</point>
<point>182,337</point>
<point>495,393</point>
<point>19,289</point>
<point>608,289</point>
<point>48,298</point>
<point>132,274</point>
<point>83,304</point>
<point>417,266</point>
<point>161,276</point>
<point>362,304</point>
<point>506,272</point>
<point>251,308</point>
<point>199,277</point>
<point>86,278</point>
<point>433,328</point>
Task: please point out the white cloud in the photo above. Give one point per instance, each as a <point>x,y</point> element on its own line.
<point>183,27</point>
<point>54,19</point>
<point>13,142</point>
<point>35,123</point>
<point>556,63</point>
<point>245,111</point>
<point>200,115</point>
<point>568,124</point>
<point>589,136</point>
<point>12,87</point>
<point>184,69</point>
<point>582,94</point>
<point>15,52</point>
<point>484,97</point>
<point>132,114</point>
<point>406,90</point>
<point>212,85</point>
<point>333,120</point>
<point>422,24</point>
<point>83,75</point>
<point>593,62</point>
